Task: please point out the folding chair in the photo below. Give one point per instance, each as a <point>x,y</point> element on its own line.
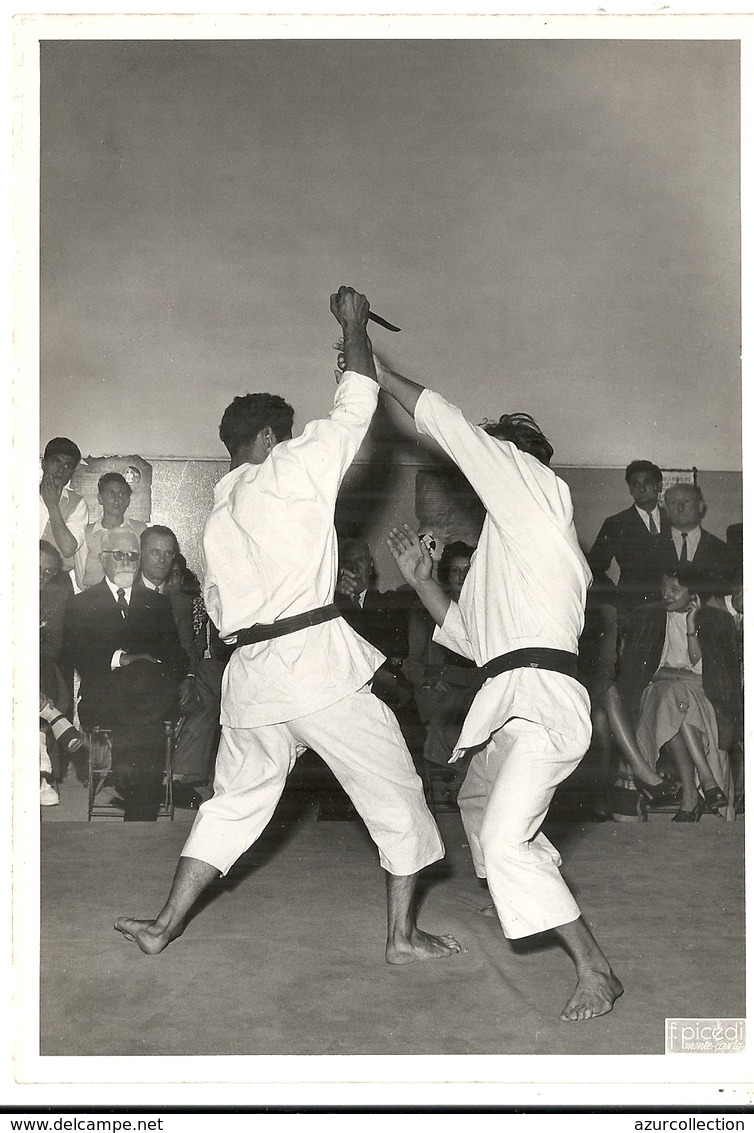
<point>101,765</point>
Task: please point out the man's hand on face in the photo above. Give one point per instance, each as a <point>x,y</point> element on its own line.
<point>50,489</point>
<point>350,308</point>
<point>413,559</point>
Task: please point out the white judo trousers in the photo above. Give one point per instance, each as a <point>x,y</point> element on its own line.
<point>360,741</point>
<point>528,728</point>
<point>503,801</point>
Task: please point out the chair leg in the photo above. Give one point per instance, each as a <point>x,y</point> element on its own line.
<point>171,730</point>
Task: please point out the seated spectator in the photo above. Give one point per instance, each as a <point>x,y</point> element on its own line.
<point>444,683</point>
<point>55,593</point>
<point>63,514</point>
<point>381,618</point>
<point>183,579</point>
<point>678,679</point>
<point>199,733</point>
<point>123,641</point>
<point>55,728</point>
<point>687,542</point>
<point>159,548</point>
<point>114,496</point>
<point>610,721</point>
<point>733,603</point>
<point>54,597</point>
<point>632,539</point>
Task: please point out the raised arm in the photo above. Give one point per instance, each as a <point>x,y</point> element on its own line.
<point>405,392</point>
<point>415,564</point>
<point>351,309</point>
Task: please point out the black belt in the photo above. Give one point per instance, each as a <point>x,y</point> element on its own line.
<point>262,632</point>
<point>556,660</point>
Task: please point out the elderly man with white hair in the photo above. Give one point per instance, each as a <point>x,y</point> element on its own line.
<point>123,642</point>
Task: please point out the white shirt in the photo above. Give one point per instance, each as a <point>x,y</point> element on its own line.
<point>692,541</point>
<point>645,518</point>
<point>527,582</point>
<point>675,649</point>
<point>75,514</point>
<point>270,551</point>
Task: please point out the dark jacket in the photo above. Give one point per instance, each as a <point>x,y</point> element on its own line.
<point>712,563</point>
<point>717,640</point>
<point>639,554</point>
<point>95,629</point>
<point>183,615</point>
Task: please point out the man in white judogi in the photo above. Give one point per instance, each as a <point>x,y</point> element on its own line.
<point>270,565</point>
<point>524,595</point>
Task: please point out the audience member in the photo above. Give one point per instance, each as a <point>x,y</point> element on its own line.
<point>123,641</point>
<point>114,496</point>
<point>444,682</point>
<point>159,547</point>
<point>182,578</point>
<point>733,603</point>
<point>199,733</point>
<point>679,681</point>
<point>381,618</point>
<point>633,539</point>
<point>687,541</point>
<point>56,679</point>
<point>610,721</point>
<point>63,514</point>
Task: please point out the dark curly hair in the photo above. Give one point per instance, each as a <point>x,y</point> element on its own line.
<point>452,551</point>
<point>524,432</point>
<point>637,466</point>
<point>246,416</point>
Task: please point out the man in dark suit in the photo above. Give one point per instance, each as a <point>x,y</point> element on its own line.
<point>633,538</point>
<point>159,547</point>
<point>123,641</point>
<point>688,542</point>
<point>381,618</point>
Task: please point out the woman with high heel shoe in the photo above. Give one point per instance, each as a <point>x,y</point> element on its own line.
<point>678,681</point>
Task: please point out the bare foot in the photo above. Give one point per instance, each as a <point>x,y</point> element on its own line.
<point>487,910</point>
<point>595,994</point>
<point>421,946</point>
<point>151,937</point>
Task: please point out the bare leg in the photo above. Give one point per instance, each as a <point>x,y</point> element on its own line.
<point>626,737</point>
<point>693,740</point>
<point>191,879</point>
<point>686,773</point>
<point>406,942</point>
<point>597,986</point>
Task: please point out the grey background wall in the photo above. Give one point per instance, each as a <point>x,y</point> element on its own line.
<point>554,224</point>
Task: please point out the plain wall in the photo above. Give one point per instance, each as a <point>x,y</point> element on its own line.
<point>554,224</point>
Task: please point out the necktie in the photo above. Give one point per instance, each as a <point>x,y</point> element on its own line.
<point>652,525</point>
<point>684,549</point>
<point>122,603</point>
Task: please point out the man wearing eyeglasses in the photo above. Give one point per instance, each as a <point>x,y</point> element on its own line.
<point>123,641</point>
